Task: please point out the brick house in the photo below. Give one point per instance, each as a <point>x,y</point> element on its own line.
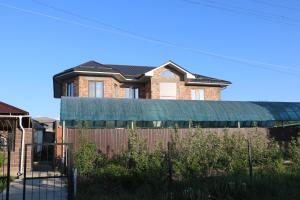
<point>167,81</point>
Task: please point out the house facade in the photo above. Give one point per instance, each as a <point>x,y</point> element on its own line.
<point>167,81</point>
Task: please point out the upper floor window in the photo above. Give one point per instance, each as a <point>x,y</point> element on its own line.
<point>96,89</point>
<point>197,94</point>
<point>168,90</point>
<point>167,74</point>
<point>132,93</point>
<point>70,89</point>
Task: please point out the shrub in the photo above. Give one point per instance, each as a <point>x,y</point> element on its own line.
<point>2,158</point>
<point>85,158</point>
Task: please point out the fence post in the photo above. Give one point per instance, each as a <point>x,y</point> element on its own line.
<point>250,157</point>
<point>8,169</point>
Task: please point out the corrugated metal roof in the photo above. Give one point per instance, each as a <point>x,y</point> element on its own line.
<point>79,108</point>
<point>9,109</point>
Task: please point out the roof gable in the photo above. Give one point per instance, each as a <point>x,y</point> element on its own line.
<point>175,66</point>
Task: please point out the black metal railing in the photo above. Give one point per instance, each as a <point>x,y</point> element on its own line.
<point>48,171</point>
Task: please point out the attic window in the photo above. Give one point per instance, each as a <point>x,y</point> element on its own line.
<point>167,74</point>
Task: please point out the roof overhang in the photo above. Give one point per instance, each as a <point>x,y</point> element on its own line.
<point>208,84</point>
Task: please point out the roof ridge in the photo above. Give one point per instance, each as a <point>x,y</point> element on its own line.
<point>128,65</point>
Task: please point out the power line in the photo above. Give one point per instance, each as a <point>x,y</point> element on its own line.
<point>275,5</point>
<point>246,11</point>
<point>256,64</point>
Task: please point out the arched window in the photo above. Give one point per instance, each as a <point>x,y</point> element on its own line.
<point>167,74</point>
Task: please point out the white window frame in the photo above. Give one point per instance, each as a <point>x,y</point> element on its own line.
<point>132,93</point>
<point>95,94</point>
<point>198,94</point>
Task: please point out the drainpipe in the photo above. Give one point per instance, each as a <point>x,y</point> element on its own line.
<point>22,146</point>
<point>63,140</point>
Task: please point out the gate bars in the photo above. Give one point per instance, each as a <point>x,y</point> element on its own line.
<point>51,171</point>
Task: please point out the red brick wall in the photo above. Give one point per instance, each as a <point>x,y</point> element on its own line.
<point>183,91</point>
<point>149,89</point>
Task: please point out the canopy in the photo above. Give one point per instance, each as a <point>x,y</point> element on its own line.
<point>97,109</point>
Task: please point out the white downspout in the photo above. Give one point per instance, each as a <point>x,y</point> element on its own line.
<point>63,139</point>
<point>22,146</point>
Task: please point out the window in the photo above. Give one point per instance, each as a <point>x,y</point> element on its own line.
<point>167,74</point>
<point>168,90</point>
<point>70,89</point>
<point>132,93</point>
<point>197,94</point>
<point>96,89</point>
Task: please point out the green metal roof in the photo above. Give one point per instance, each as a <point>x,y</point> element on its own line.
<point>96,109</point>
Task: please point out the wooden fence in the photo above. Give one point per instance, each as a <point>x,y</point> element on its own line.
<point>113,141</point>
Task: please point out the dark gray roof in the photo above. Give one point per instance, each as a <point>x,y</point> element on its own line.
<point>131,70</point>
<point>128,71</point>
<point>90,66</point>
<point>206,79</point>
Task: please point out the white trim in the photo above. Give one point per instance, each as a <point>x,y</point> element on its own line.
<point>13,116</point>
<point>188,74</point>
<point>91,72</point>
<point>201,83</point>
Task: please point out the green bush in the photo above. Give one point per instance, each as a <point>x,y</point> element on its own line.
<point>85,158</point>
<point>2,158</point>
<point>202,165</point>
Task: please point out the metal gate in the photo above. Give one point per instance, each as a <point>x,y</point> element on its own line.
<point>48,173</point>
<point>5,169</point>
<point>7,135</point>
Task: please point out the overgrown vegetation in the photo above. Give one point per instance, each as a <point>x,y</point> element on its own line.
<point>198,166</point>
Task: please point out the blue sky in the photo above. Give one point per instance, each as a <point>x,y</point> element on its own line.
<point>255,44</point>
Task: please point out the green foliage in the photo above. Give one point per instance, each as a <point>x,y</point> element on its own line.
<point>85,159</point>
<point>200,165</point>
<point>2,158</point>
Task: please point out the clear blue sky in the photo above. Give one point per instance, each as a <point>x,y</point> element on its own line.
<point>38,41</point>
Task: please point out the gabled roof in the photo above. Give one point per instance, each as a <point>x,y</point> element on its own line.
<point>6,109</point>
<point>174,65</point>
<point>133,71</point>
